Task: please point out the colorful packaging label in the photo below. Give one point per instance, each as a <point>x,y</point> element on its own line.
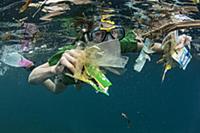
<point>183,57</point>
<point>102,83</point>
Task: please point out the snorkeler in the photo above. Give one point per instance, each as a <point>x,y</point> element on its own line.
<point>52,76</point>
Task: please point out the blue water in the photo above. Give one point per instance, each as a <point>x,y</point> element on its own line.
<point>152,107</point>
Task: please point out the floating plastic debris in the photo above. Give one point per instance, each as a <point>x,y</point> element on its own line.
<point>16,60</point>
<point>141,60</point>
<point>11,57</point>
<point>175,51</point>
<point>183,57</point>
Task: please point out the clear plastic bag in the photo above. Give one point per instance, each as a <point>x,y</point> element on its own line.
<point>109,55</point>
<point>11,57</point>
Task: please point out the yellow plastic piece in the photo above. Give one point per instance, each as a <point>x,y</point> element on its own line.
<point>167,68</point>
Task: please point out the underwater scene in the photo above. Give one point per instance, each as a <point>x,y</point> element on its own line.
<point>100,66</point>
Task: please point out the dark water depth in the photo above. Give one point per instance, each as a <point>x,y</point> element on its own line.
<point>152,107</point>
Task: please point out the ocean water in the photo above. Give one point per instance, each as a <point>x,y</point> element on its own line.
<point>152,106</point>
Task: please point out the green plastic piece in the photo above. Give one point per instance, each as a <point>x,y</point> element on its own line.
<point>102,84</point>
<point>128,43</point>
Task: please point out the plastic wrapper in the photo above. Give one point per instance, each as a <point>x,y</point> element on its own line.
<point>141,60</point>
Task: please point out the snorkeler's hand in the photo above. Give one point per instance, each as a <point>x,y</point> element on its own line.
<point>70,60</point>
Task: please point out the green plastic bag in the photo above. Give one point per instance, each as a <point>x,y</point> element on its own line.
<point>129,42</point>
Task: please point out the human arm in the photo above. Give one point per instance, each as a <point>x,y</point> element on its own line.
<point>43,73</point>
<point>133,43</point>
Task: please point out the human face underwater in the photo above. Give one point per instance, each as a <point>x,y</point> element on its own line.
<point>105,32</point>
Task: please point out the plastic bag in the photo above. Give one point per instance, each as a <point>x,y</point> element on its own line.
<point>16,60</point>
<point>11,57</point>
<point>141,60</point>
<point>109,55</point>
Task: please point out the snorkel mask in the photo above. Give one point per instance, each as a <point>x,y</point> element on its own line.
<point>106,28</point>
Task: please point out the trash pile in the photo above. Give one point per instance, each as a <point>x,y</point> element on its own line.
<point>165,22</point>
